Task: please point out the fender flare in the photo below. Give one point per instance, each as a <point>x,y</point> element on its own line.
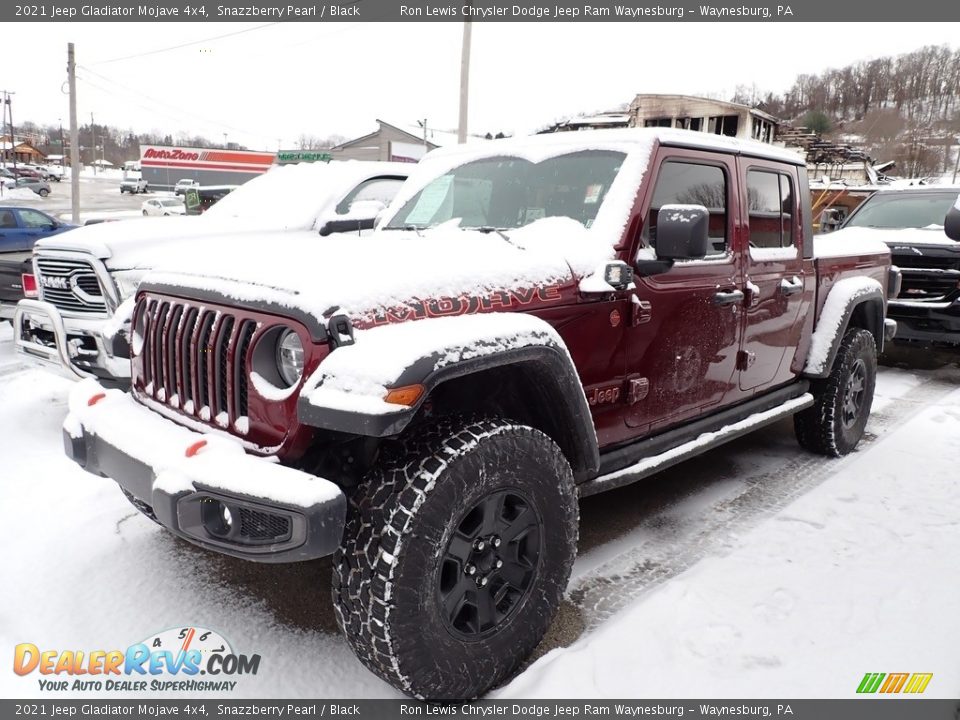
<point>835,319</point>
<point>545,358</point>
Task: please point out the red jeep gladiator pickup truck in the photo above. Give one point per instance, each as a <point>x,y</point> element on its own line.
<point>535,319</point>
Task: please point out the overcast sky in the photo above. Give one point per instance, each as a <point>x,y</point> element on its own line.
<point>275,82</point>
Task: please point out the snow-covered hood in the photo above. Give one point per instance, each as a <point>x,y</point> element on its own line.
<point>288,198</point>
<point>364,277</point>
<point>150,242</point>
<point>894,238</point>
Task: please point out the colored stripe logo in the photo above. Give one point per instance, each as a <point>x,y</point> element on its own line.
<point>891,683</point>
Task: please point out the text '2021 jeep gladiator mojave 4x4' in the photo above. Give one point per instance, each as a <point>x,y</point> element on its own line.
<point>534,319</point>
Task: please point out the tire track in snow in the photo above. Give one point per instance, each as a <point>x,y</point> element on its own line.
<point>671,541</point>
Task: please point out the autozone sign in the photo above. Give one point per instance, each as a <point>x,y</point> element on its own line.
<point>189,158</point>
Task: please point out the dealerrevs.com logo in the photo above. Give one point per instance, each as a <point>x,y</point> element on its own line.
<point>179,659</point>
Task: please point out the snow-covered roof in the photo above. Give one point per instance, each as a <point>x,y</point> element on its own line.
<point>625,140</point>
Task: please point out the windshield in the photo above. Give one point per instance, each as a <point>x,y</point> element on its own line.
<point>510,192</point>
<point>904,210</point>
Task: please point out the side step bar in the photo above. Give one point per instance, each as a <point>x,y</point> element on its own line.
<point>649,464</point>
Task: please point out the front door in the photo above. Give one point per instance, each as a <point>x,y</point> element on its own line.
<point>685,330</point>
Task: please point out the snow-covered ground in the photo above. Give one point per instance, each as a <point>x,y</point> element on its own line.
<point>755,571</point>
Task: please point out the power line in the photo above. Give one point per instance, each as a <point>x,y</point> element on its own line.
<point>183,45</point>
<point>181,113</point>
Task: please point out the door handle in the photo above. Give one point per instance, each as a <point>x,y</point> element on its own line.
<point>728,297</point>
<point>791,286</point>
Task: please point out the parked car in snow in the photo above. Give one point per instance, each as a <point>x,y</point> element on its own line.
<point>163,206</point>
<point>85,278</point>
<point>20,228</point>
<point>534,320</point>
<point>54,172</point>
<point>40,187</point>
<point>181,187</point>
<point>911,223</point>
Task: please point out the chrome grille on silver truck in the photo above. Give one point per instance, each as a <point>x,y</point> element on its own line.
<point>71,286</point>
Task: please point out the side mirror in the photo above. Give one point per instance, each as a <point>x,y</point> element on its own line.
<point>951,223</point>
<point>348,225</point>
<point>682,232</point>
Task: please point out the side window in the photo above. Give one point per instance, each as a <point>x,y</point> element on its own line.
<point>689,183</point>
<point>770,200</point>
<point>34,219</point>
<point>381,189</point>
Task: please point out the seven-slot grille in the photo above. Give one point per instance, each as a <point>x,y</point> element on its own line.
<point>71,286</point>
<point>195,359</point>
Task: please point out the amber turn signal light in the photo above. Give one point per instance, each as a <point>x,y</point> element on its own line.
<point>406,395</point>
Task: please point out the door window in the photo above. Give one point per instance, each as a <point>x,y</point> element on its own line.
<point>689,183</point>
<point>35,219</point>
<point>770,200</point>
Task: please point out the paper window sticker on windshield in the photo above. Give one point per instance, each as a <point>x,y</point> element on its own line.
<point>432,198</point>
<point>534,213</point>
<point>593,194</point>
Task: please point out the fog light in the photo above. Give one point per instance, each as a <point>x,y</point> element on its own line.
<point>216,517</point>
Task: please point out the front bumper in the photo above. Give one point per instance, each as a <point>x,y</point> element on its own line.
<point>73,347</point>
<point>276,513</point>
<point>926,322</point>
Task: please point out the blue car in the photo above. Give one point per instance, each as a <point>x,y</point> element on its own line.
<point>21,227</point>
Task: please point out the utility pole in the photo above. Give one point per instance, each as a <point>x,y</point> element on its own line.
<point>8,110</point>
<point>74,138</point>
<point>93,141</point>
<point>957,168</point>
<point>464,81</point>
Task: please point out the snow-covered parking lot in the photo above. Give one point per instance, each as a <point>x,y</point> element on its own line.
<point>757,570</point>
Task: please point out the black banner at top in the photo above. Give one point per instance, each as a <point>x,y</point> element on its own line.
<point>625,11</point>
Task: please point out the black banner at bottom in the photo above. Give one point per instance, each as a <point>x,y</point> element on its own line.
<point>875,708</point>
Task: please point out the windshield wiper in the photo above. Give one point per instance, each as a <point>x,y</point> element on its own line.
<point>487,229</point>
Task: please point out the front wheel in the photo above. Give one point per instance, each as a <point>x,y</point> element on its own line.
<point>835,423</point>
<point>144,212</point>
<point>43,192</point>
<point>456,553</point>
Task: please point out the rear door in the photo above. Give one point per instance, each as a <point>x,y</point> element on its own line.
<point>685,330</point>
<point>776,279</point>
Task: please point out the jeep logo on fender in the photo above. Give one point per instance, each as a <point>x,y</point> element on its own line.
<point>55,282</point>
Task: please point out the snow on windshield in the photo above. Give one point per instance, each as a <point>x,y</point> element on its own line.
<point>511,192</point>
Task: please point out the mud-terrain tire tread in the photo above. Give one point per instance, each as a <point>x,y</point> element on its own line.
<point>818,428</point>
<point>390,511</point>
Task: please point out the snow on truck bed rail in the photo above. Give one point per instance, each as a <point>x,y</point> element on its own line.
<point>852,241</point>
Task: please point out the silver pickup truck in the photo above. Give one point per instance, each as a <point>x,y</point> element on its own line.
<point>76,325</point>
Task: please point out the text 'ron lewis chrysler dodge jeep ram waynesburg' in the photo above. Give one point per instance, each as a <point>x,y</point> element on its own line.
<point>535,319</point>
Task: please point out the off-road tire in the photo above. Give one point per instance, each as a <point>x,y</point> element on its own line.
<point>144,509</point>
<point>391,566</point>
<point>826,427</point>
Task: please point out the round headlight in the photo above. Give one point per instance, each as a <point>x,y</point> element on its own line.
<point>290,357</point>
